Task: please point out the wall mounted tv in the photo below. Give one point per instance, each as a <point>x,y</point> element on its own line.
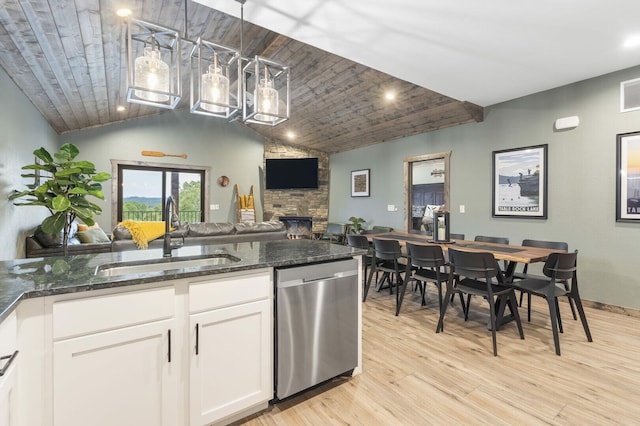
<point>291,173</point>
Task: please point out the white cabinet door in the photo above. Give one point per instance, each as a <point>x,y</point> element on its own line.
<point>8,394</point>
<point>232,369</point>
<point>118,377</point>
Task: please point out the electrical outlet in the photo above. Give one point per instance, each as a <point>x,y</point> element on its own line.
<point>391,208</point>
<point>461,208</point>
<point>214,207</point>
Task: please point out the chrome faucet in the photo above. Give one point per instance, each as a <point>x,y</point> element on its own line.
<point>168,245</point>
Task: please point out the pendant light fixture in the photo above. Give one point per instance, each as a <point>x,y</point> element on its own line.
<point>265,87</point>
<point>214,70</point>
<point>154,77</point>
<point>222,84</point>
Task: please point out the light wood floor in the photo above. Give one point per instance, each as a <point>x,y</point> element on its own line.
<point>412,376</point>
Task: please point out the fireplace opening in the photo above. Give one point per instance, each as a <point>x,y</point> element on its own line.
<point>298,227</point>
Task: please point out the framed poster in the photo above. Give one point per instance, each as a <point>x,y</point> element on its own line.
<point>628,177</point>
<point>360,183</point>
<point>520,182</point>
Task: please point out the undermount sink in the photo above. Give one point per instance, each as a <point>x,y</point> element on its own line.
<point>164,264</point>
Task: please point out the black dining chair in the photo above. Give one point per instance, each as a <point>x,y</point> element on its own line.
<point>557,268</point>
<point>425,263</point>
<point>456,236</point>
<point>476,274</point>
<point>487,239</point>
<point>556,245</point>
<point>387,256</point>
<point>361,242</point>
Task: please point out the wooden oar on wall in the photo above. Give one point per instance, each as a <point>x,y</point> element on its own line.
<point>162,154</point>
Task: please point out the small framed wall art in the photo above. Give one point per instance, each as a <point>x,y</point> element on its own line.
<point>628,177</point>
<point>360,183</point>
<point>520,182</point>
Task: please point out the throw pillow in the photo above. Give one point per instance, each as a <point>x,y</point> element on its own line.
<point>93,235</point>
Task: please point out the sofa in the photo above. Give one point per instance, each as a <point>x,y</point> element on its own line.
<point>41,244</point>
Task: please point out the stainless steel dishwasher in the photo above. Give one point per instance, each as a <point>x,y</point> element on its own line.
<point>316,324</point>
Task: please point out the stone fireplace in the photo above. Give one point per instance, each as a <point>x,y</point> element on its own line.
<point>298,227</point>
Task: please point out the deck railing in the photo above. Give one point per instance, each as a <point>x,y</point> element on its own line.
<point>156,215</point>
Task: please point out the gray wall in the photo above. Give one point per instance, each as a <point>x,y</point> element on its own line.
<point>581,173</point>
<point>23,131</point>
<point>229,149</point>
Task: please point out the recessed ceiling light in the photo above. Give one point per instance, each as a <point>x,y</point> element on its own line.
<point>123,13</point>
<point>389,96</point>
<point>291,135</point>
<point>632,42</point>
<point>120,108</point>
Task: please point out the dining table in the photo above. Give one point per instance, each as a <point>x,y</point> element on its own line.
<point>511,254</point>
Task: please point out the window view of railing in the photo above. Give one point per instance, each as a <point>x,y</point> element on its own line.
<point>143,191</point>
<point>156,215</point>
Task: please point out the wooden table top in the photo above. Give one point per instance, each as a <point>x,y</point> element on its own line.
<point>510,253</point>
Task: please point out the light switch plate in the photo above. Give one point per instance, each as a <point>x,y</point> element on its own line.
<point>461,208</point>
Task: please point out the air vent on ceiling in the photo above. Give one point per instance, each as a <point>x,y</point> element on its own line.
<point>630,95</point>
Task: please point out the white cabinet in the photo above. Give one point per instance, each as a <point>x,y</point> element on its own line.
<point>113,360</point>
<point>8,368</point>
<point>231,361</point>
<point>123,357</point>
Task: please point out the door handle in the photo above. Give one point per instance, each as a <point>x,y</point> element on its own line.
<point>169,351</point>
<point>197,338</point>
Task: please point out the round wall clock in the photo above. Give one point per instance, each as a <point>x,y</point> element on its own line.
<point>223,181</point>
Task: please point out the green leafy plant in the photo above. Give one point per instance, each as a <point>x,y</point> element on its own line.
<point>356,224</point>
<point>64,191</point>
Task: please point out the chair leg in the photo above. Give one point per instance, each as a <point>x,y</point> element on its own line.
<point>520,301</point>
<point>554,323</point>
<point>583,318</point>
<point>448,296</point>
<point>573,309</point>
<point>368,283</point>
<point>513,306</point>
<point>492,317</point>
<point>529,307</point>
<point>400,290</point>
<point>560,329</point>
<point>466,307</point>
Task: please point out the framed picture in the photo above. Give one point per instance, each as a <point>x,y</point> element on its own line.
<point>360,183</point>
<point>520,182</point>
<point>628,177</point>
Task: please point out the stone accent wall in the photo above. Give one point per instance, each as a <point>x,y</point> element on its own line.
<point>298,202</point>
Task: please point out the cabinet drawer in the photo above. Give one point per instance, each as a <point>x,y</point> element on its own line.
<point>229,290</point>
<point>100,313</point>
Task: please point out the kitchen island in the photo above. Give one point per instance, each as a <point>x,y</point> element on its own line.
<point>90,329</point>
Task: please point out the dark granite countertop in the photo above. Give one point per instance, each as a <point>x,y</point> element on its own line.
<point>38,277</point>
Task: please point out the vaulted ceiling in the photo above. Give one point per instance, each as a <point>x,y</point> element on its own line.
<point>68,57</point>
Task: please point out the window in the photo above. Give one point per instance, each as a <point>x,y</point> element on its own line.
<point>142,189</point>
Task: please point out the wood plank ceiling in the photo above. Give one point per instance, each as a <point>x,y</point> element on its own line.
<point>68,57</point>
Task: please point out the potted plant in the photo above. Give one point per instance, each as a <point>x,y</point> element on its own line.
<point>356,225</point>
<point>64,190</point>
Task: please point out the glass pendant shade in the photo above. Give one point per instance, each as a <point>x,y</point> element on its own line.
<point>215,90</point>
<point>153,65</point>
<point>152,74</point>
<point>266,92</point>
<point>266,101</point>
<point>215,80</point>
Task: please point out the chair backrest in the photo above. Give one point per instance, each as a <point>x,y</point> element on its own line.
<point>387,249</point>
<point>563,265</point>
<point>473,264</point>
<point>336,228</point>
<point>425,256</point>
<point>496,240</point>
<point>558,245</point>
<point>358,241</point>
<point>419,232</point>
<point>456,236</point>
<point>381,229</point>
